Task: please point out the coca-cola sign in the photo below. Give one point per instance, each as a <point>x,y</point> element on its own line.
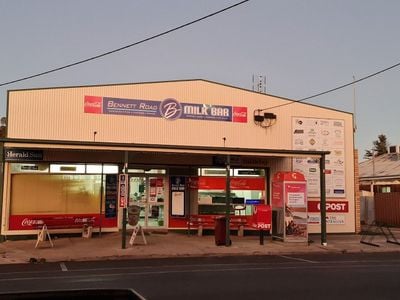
<point>32,222</point>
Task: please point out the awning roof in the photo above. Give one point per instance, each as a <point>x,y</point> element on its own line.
<point>52,144</point>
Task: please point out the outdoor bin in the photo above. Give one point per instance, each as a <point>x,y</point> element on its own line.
<point>220,231</point>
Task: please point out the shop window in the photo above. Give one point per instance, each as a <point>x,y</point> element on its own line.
<point>245,193</point>
<point>55,194</point>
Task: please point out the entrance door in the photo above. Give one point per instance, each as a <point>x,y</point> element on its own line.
<point>148,193</point>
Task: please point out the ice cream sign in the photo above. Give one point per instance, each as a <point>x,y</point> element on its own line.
<point>169,109</point>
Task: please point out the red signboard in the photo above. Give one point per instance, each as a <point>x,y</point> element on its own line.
<point>237,183</point>
<point>93,105</point>
<point>239,114</point>
<point>277,194</point>
<point>331,206</point>
<point>123,190</point>
<point>29,222</point>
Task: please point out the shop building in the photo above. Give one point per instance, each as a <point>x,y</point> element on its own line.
<point>66,146</point>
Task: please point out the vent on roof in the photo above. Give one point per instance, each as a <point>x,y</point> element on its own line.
<point>394,149</point>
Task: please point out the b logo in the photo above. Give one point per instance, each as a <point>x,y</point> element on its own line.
<point>170,109</point>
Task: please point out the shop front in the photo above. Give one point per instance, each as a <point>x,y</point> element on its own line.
<point>66,147</point>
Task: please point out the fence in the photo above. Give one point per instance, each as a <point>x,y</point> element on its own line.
<point>387,208</point>
<point>367,208</point>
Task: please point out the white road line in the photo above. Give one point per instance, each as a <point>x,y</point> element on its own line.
<point>298,259</point>
<point>63,267</point>
<point>125,274</point>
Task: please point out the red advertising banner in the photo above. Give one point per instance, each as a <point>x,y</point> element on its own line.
<point>277,195</point>
<point>30,222</point>
<point>123,190</point>
<point>331,206</point>
<point>237,183</point>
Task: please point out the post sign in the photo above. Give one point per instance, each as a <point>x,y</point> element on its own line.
<point>331,207</point>
<point>123,190</point>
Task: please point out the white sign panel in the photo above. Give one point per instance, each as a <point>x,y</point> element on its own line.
<point>320,135</point>
<point>330,219</point>
<point>178,204</point>
<point>296,199</point>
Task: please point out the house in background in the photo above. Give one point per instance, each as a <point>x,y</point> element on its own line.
<point>380,188</point>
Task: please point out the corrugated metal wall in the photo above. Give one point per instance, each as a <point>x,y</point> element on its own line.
<point>58,114</point>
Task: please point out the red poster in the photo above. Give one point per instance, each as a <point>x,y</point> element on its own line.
<point>277,195</point>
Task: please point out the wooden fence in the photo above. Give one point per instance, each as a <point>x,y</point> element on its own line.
<point>387,208</point>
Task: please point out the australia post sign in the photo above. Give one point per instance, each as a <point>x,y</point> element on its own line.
<point>331,206</point>
<point>169,109</point>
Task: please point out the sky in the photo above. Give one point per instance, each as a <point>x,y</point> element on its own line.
<point>302,47</point>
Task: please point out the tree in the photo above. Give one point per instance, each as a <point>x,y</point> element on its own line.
<point>380,147</point>
<point>3,123</point>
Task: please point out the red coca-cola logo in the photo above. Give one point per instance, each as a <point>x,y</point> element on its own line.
<point>93,104</point>
<point>239,114</point>
<point>84,220</point>
<point>30,222</point>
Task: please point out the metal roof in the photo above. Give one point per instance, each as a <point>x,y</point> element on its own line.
<point>381,167</point>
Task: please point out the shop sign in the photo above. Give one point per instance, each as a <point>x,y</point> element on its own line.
<point>177,185</point>
<point>331,206</point>
<point>330,220</point>
<point>237,183</point>
<point>169,109</point>
<point>324,135</point>
<point>123,190</point>
<point>111,196</point>
<point>31,222</point>
<point>22,155</point>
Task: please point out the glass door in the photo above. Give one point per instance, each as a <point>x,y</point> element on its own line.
<point>148,193</point>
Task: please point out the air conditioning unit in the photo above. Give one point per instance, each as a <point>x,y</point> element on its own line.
<point>394,149</point>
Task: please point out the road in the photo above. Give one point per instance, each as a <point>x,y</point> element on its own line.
<point>322,276</point>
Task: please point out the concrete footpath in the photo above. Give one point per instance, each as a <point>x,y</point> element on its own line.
<point>172,244</point>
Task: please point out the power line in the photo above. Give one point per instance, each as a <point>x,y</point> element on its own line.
<point>336,88</point>
<point>124,47</point>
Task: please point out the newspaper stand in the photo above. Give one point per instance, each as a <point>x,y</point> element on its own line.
<point>289,207</point>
